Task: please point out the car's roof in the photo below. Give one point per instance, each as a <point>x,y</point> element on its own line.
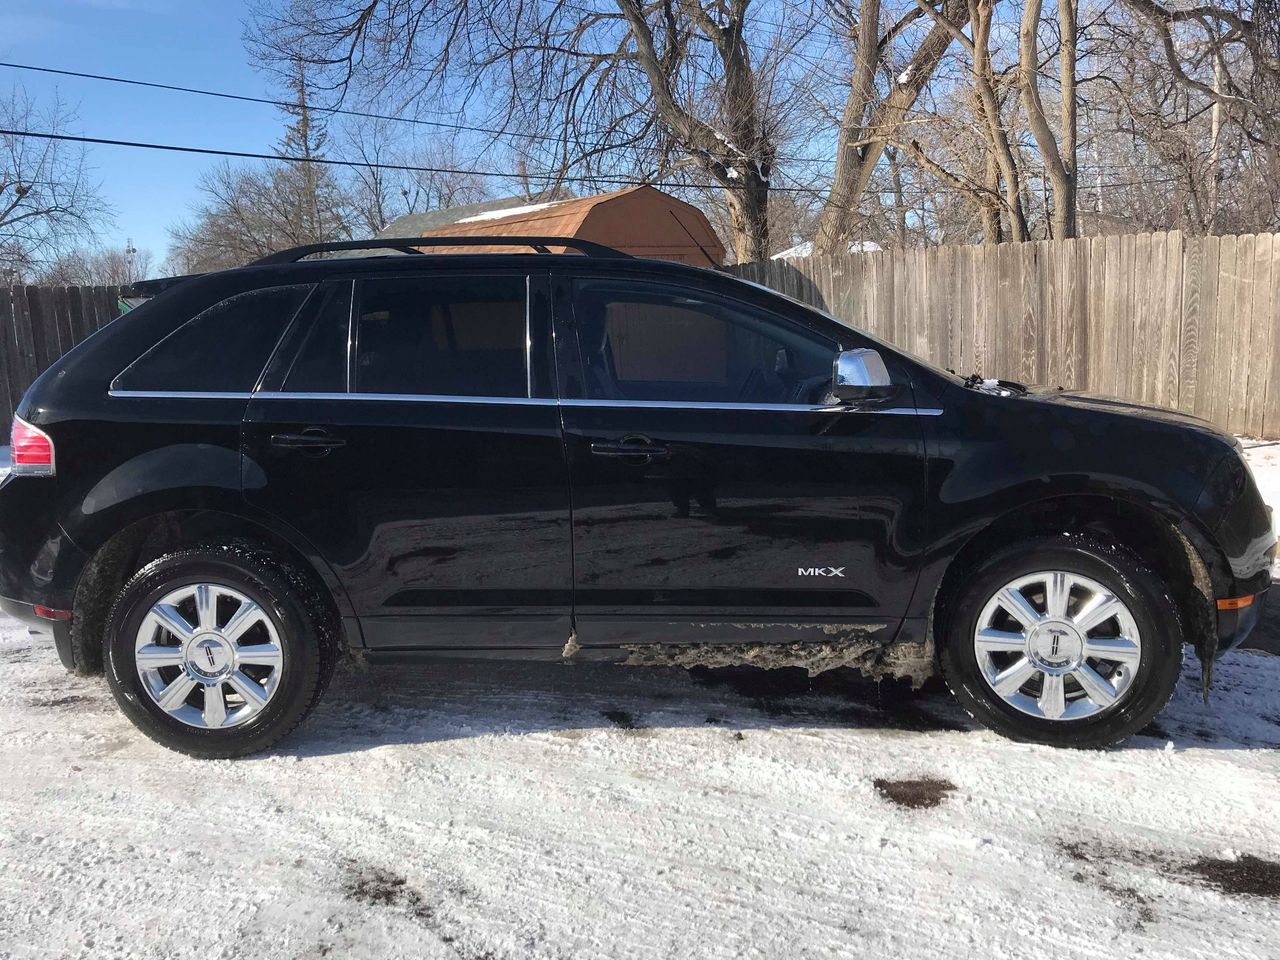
<point>313,270</point>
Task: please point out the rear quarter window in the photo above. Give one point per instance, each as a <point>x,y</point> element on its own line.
<point>220,350</point>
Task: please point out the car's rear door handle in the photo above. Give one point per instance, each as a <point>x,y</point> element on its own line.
<point>313,438</point>
<point>640,448</point>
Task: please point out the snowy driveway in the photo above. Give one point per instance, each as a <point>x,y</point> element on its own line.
<point>501,810</point>
<point>484,809</point>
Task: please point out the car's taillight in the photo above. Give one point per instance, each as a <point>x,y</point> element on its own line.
<point>32,453</point>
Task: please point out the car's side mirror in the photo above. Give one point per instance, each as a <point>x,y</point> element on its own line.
<point>861,375</point>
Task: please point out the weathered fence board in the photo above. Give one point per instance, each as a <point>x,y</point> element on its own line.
<point>1191,323</point>
<point>40,324</point>
<point>8,348</point>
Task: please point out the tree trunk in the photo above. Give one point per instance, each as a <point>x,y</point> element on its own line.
<point>992,231</point>
<point>989,104</point>
<point>857,155</point>
<point>1215,139</point>
<point>899,198</point>
<point>737,151</point>
<point>1068,202</point>
<point>1062,179</point>
<point>749,219</point>
<point>833,226</point>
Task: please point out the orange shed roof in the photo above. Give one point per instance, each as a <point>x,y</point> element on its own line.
<point>642,221</point>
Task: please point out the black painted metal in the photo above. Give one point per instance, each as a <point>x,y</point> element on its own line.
<point>411,244</point>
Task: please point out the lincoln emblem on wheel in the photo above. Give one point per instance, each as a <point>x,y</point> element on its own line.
<point>514,453</point>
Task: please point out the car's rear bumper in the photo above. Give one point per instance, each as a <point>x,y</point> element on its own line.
<point>39,563</point>
<point>59,630</point>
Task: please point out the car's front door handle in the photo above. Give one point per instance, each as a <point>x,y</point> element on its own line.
<point>638,448</point>
<point>313,438</point>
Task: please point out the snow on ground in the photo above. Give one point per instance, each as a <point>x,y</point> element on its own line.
<point>482,809</point>
<point>488,809</point>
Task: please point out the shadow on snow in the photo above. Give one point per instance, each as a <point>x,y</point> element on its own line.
<point>451,699</point>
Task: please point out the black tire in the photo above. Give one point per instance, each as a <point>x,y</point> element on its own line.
<point>300,613</point>
<point>1115,568</point>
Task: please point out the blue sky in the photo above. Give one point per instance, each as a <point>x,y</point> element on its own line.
<point>195,43</point>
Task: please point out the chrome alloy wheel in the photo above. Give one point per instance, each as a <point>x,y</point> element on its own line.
<point>1057,645</point>
<point>209,656</point>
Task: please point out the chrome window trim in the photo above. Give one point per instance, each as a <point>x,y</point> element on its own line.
<point>404,398</point>
<point>760,407</point>
<point>357,290</point>
<point>528,335</point>
<point>638,405</point>
<point>531,401</point>
<point>179,395</point>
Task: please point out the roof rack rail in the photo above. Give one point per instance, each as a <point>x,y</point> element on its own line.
<point>152,288</point>
<point>411,245</point>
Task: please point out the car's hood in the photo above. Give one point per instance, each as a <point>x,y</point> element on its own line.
<point>1087,401</point>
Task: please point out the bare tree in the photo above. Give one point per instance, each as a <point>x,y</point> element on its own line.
<point>988,90</point>
<point>871,122</point>
<point>651,88</point>
<point>107,266</point>
<point>1237,39</point>
<point>48,199</point>
<point>251,211</point>
<point>1058,152</point>
<point>378,195</point>
<point>1191,142</point>
<point>898,121</point>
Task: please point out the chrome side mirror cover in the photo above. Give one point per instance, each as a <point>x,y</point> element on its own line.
<point>860,375</point>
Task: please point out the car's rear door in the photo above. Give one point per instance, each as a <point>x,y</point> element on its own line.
<point>717,495</point>
<point>407,429</point>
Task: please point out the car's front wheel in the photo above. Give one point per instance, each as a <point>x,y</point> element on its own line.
<point>1064,640</point>
<point>218,650</point>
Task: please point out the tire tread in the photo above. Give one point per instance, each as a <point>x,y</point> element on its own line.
<point>1137,577</point>
<point>268,566</point>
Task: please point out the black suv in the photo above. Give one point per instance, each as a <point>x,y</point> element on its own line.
<point>556,455</point>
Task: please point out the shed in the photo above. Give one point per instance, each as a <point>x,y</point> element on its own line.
<point>642,221</point>
<point>417,224</point>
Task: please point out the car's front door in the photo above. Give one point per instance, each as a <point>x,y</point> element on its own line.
<point>718,496</point>
<point>408,430</point>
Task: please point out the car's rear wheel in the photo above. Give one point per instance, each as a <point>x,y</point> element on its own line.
<point>218,650</point>
<point>1063,640</point>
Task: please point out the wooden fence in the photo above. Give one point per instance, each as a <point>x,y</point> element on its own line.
<point>1191,323</point>
<point>40,324</point>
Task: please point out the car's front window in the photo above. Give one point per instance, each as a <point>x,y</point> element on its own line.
<point>872,340</point>
<point>656,342</point>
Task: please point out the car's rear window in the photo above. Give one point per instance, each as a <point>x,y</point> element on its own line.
<point>220,350</point>
<point>442,336</point>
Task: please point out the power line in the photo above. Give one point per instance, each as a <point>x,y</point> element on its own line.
<point>337,111</point>
<point>281,104</point>
<point>460,171</point>
<point>363,164</point>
